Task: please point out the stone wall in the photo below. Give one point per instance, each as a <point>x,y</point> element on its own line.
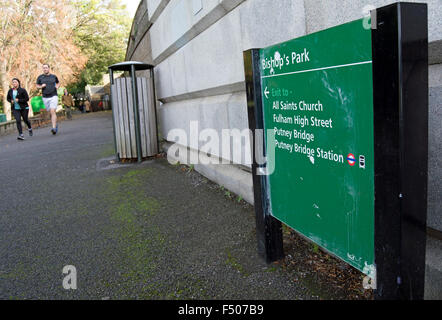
<point>197,45</point>
<point>435,149</point>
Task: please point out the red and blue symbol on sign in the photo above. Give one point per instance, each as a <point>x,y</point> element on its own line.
<point>351,159</point>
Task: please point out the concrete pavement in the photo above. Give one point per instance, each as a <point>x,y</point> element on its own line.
<point>138,231</point>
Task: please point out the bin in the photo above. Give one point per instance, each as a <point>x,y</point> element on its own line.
<point>134,112</point>
<point>2,117</point>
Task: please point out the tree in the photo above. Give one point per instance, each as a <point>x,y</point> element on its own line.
<point>11,12</point>
<point>101,31</point>
<point>33,32</point>
<point>79,39</point>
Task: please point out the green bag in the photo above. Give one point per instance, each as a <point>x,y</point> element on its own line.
<point>37,104</point>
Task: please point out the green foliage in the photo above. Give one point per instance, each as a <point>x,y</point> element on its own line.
<point>234,263</point>
<point>315,248</point>
<point>101,31</point>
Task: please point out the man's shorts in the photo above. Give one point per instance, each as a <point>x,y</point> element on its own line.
<point>51,103</point>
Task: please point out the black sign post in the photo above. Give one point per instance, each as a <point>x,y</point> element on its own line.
<point>400,83</point>
<point>268,229</point>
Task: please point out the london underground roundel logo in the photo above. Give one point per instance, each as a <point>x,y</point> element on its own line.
<point>351,159</point>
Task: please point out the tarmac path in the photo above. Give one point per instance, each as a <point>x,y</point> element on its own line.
<point>141,231</point>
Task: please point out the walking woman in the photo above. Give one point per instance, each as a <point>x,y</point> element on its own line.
<point>18,98</point>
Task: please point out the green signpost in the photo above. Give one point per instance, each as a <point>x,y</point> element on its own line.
<point>317,97</point>
<point>345,111</point>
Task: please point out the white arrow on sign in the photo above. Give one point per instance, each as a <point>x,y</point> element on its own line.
<point>266,92</point>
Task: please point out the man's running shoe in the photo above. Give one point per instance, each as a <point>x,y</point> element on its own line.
<point>21,137</point>
<point>31,133</point>
<point>53,131</point>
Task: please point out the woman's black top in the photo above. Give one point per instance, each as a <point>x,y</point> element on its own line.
<point>22,96</point>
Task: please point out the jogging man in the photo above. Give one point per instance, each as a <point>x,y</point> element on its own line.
<point>49,84</point>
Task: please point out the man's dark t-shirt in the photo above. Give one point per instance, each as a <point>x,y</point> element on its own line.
<point>50,80</point>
